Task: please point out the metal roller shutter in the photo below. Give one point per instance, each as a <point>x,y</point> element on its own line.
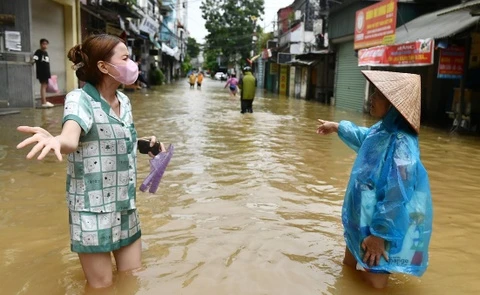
<point>350,83</point>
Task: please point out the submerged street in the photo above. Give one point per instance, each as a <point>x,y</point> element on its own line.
<point>250,204</point>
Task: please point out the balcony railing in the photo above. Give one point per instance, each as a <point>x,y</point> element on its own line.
<point>293,35</point>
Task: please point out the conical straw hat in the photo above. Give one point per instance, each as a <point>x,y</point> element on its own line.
<point>402,90</point>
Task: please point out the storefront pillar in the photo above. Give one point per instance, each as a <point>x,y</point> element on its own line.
<point>71,28</point>
<point>462,118</point>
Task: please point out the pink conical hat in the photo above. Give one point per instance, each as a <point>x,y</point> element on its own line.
<point>402,90</point>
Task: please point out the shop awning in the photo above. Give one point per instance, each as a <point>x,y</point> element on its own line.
<point>133,28</point>
<point>304,63</point>
<point>101,13</point>
<point>436,25</point>
<point>166,49</point>
<point>121,8</point>
<point>154,42</point>
<point>313,55</point>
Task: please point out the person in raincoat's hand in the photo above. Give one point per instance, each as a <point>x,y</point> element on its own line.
<point>387,211</point>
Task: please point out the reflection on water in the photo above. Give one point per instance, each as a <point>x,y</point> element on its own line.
<point>250,204</point>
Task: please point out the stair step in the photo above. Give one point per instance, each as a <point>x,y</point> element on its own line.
<point>4,104</point>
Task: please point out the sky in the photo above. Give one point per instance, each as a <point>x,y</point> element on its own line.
<point>196,24</point>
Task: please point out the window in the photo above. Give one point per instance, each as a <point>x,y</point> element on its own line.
<point>151,9</point>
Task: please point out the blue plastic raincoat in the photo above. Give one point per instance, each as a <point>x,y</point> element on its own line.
<point>388,194</point>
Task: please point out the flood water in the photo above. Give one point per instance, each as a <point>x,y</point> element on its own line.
<point>250,204</point>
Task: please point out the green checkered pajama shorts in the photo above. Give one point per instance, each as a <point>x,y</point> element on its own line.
<point>103,232</point>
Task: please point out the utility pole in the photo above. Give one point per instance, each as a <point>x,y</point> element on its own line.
<point>254,37</point>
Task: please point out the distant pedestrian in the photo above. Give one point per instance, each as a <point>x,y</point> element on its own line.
<point>248,86</point>
<point>192,80</point>
<point>42,64</point>
<point>141,75</point>
<point>232,84</point>
<point>199,80</point>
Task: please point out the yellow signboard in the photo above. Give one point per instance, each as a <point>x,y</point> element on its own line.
<point>273,69</point>
<point>376,24</point>
<point>283,80</point>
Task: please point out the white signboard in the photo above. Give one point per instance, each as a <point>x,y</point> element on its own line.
<point>13,41</point>
<point>149,25</point>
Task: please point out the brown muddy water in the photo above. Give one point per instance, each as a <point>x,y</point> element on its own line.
<point>250,204</point>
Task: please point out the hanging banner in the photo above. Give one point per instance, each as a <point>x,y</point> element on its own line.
<point>283,80</point>
<point>273,69</point>
<point>376,25</point>
<point>452,63</point>
<point>419,53</point>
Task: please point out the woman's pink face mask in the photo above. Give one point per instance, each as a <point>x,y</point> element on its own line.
<point>127,74</point>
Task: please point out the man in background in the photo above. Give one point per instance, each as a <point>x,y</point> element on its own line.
<point>141,75</point>
<point>248,86</point>
<point>42,64</point>
<point>191,79</point>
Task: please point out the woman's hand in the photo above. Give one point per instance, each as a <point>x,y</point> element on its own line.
<point>326,127</point>
<point>45,142</point>
<point>374,248</point>
<point>153,140</point>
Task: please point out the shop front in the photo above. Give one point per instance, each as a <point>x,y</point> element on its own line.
<point>271,76</point>
<point>149,48</point>
<point>350,85</point>
<point>304,75</point>
<point>25,23</point>
<point>314,80</point>
<point>445,51</point>
<point>354,25</point>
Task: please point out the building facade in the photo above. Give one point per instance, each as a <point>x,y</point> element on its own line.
<point>24,24</point>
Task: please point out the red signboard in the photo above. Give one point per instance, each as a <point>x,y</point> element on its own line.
<point>419,53</point>
<point>452,63</point>
<point>376,25</point>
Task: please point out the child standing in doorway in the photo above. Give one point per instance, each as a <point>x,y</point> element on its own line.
<point>42,63</point>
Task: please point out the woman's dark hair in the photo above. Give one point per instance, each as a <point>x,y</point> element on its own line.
<point>94,49</point>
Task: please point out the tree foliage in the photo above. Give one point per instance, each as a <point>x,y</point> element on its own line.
<point>193,48</point>
<point>231,24</point>
<point>187,64</point>
<point>263,39</point>
<point>210,60</point>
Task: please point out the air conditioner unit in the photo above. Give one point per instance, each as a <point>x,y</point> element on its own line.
<point>272,44</point>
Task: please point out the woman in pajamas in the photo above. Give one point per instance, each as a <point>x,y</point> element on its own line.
<point>101,142</point>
